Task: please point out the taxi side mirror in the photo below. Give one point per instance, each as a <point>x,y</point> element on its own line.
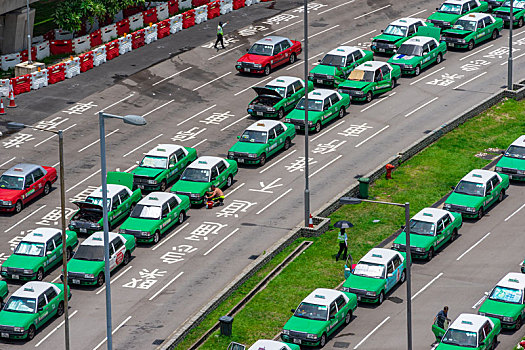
<point>437,8</point>
<point>389,275</point>
<point>293,311</point>
<point>452,188</point>
<point>49,252</point>
<point>239,137</point>
<point>382,31</point>
<point>502,152</point>
<point>319,61</point>
<point>164,216</point>
<point>332,317</point>
<point>247,50</point>
<point>403,227</point>
<point>40,308</point>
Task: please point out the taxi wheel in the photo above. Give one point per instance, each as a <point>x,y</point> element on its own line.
<point>470,45</point>
<point>100,280</point>
<point>156,237</point>
<point>439,58</point>
<point>341,113</point>
<point>229,182</point>
<point>69,253</point>
<point>182,216</point>
<point>393,84</point>
<point>267,70</point>
<point>163,186</point>
<point>287,144</point>
<point>262,161</point>
<point>348,317</point>
<point>519,323</point>
<point>403,277</point>
<point>317,127</point>
<point>31,332</point>
<point>417,71</point>
<point>381,298</point>
<point>494,342</point>
<point>369,96</point>
<point>323,341</point>
<point>18,206</point>
<point>280,114</point>
<point>501,195</point>
<point>127,258</point>
<point>292,58</point>
<point>40,274</point>
<point>430,254</point>
<point>481,212</point>
<point>520,22</point>
<point>47,188</point>
<point>454,235</point>
<point>495,34</point>
<point>60,309</point>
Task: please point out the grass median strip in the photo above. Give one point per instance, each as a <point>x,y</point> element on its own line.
<point>422,180</point>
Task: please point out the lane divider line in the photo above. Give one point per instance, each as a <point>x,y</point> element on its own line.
<point>222,53</point>
<point>55,329</point>
<point>116,103</point>
<point>426,76</point>
<point>417,13</point>
<point>426,286</point>
<point>25,218</point>
<point>368,138</point>
<point>479,301</point>
<point>96,141</point>
<point>171,76</point>
<point>475,52</point>
<point>327,164</point>
<point>144,144</point>
<point>275,200</point>
<point>276,162</point>
<point>235,122</point>
<point>233,190</point>
<point>7,161</point>
<point>372,332</point>
<point>359,37</point>
<point>422,106</point>
<point>333,8</point>
<point>156,109</point>
<point>158,245</point>
<point>199,143</point>
<point>322,31</point>
<point>211,81</point>
<point>249,87</point>
<point>473,246</point>
<point>369,13</point>
<point>52,136</point>
<point>166,286</point>
<point>81,182</point>
<point>131,168</point>
<point>327,130</point>
<point>289,25</point>
<point>114,279</point>
<point>511,215</point>
<point>220,242</point>
<point>513,59</point>
<point>114,331</point>
<point>378,101</point>
<point>468,81</point>
<point>196,115</point>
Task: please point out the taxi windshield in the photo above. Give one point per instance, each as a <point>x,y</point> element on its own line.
<point>97,201</point>
<point>515,152</point>
<point>280,90</point>
<point>30,249</point>
<point>154,162</point>
<point>252,136</point>
<point>312,312</point>
<point>196,175</point>
<point>9,182</point>
<point>454,9</point>
<point>313,105</point>
<point>361,75</point>
<point>410,50</point>
<point>460,338</point>
<point>517,4</point>
<point>463,24</point>
<point>261,50</point>
<point>89,253</point>
<point>333,60</point>
<point>20,304</point>
<point>470,188</point>
<point>506,295</point>
<point>142,211</point>
<point>396,30</point>
<point>423,228</point>
<point>369,270</point>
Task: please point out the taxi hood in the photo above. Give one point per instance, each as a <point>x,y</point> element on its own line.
<point>264,91</point>
<point>323,69</point>
<point>500,308</point>
<point>9,195</point>
<point>389,38</point>
<point>508,162</point>
<point>356,84</point>
<point>149,172</point>
<point>191,187</point>
<point>16,319</point>
<point>464,199</point>
<point>23,261</point>
<point>85,266</point>
<point>87,206</point>
<point>299,114</point>
<point>446,17</point>
<point>366,283</point>
<point>304,325</point>
<point>251,58</point>
<point>248,147</point>
<point>141,224</point>
<point>420,241</point>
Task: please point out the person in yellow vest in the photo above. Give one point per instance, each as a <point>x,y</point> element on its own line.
<point>342,238</point>
<point>220,35</point>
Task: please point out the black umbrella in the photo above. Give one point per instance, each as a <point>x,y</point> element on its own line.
<point>343,224</point>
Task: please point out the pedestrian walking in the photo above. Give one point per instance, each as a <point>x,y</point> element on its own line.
<point>342,238</point>
<point>220,35</point>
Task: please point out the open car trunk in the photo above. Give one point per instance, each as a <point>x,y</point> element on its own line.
<point>265,100</point>
<point>89,213</point>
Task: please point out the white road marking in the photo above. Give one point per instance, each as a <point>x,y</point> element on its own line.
<point>199,143</point>
<point>359,37</point>
<point>322,31</point>
<point>426,286</point>
<point>327,130</point>
<point>417,13</point>
<point>473,246</point>
<point>302,62</point>
<point>249,87</point>
<point>368,138</point>
<point>333,8</point>
<point>131,168</point>
<point>517,34</point>
<point>511,215</point>
<point>114,104</point>
<point>468,81</point>
<point>56,279</point>
<point>211,81</point>
<point>479,301</point>
<point>327,164</point>
<point>25,218</point>
<point>156,109</point>
<point>426,76</point>
<point>55,329</point>
<point>275,200</point>
<point>166,286</point>
<point>97,141</point>
<point>171,76</point>
<point>378,101</point>
<point>114,331</point>
<point>235,122</point>
<point>475,52</point>
<point>52,136</point>
<point>222,53</point>
<point>144,144</point>
<point>196,115</point>
<point>289,25</point>
<point>422,106</point>
<point>55,165</point>
<point>369,13</point>
<point>220,242</point>
<point>79,183</point>
<point>276,162</point>
<point>113,279</point>
<point>233,190</point>
<point>7,161</point>
<point>158,245</point>
<point>513,59</point>
<point>372,332</point>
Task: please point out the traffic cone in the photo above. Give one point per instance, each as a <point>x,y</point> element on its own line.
<point>311,222</point>
<point>12,103</point>
<point>2,109</point>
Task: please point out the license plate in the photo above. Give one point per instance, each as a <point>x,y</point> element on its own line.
<point>140,186</point>
<point>319,81</point>
<point>76,281</point>
<point>241,160</point>
<point>297,127</point>
<point>246,69</point>
<point>297,341</point>
<point>83,230</point>
<point>511,176</point>
<point>5,335</point>
<point>359,298</point>
<point>260,113</point>
<point>450,44</point>
<point>381,50</point>
<point>15,277</point>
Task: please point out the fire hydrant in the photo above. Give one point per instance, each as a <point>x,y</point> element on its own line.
<point>389,167</point>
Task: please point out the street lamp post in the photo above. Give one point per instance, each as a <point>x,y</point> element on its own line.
<point>28,35</point>
<point>306,126</point>
<point>19,126</point>
<point>352,200</point>
<point>128,119</point>
<point>510,85</point>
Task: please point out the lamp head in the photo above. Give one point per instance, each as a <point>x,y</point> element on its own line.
<point>134,120</point>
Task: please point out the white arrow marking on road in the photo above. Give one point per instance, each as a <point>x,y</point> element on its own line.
<point>266,188</point>
<point>373,331</point>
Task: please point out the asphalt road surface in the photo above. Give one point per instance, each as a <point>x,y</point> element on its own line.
<point>194,97</point>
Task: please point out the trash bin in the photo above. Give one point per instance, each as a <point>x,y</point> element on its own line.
<point>226,325</point>
<point>364,182</point>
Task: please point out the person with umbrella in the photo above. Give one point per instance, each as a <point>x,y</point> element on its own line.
<point>342,238</point>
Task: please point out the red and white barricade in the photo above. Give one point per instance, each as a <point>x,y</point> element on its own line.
<point>37,39</point>
<point>81,44</point>
<point>175,24</point>
<point>99,55</point>
<point>61,34</point>
<point>237,4</point>
<point>214,9</point>
<point>39,79</point>
<point>49,35</point>
<point>109,32</point>
<point>61,47</point>
<point>42,50</point>
<point>91,27</point>
<point>226,6</point>
<point>131,11</point>
<point>124,44</point>
<point>201,14</point>
<point>10,60</point>
<point>5,87</point>
<point>163,29</point>
<point>86,61</point>
<point>136,22</point>
<point>56,73</point>
<point>137,39</point>
<point>150,34</point>
<point>119,16</point>
<point>112,50</point>
<point>251,2</point>
<point>162,12</point>
<point>72,67</point>
<point>149,16</point>
<point>21,84</point>
<point>95,38</point>
<point>24,54</point>
<point>185,4</point>
<point>188,19</point>
<point>173,7</point>
<point>123,27</point>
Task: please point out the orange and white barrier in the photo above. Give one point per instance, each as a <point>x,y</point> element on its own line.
<point>81,44</point>
<point>136,22</point>
<point>124,44</point>
<point>226,6</point>
<point>39,79</point>
<point>99,55</point>
<point>201,14</point>
<point>175,24</point>
<point>72,67</point>
<point>109,32</point>
<point>10,60</point>
<point>150,34</point>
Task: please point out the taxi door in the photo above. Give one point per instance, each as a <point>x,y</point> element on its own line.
<point>120,249</point>
<point>30,188</point>
<point>427,56</point>
<point>52,301</point>
<point>496,188</point>
<point>42,313</point>
<point>391,278</point>
<point>489,194</point>
<point>482,32</point>
<point>327,110</point>
<point>57,239</point>
<point>216,180</point>
<point>278,55</point>
<point>40,181</point>
<point>383,80</point>
<point>273,142</point>
<point>112,257</point>
<point>167,217</point>
<point>173,168</point>
<point>333,319</point>
<point>51,254</point>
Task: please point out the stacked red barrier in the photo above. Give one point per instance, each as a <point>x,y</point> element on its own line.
<point>149,16</point>
<point>96,38</point>
<point>188,19</point>
<point>24,54</point>
<point>49,35</point>
<point>137,39</point>
<point>112,50</point>
<point>123,27</point>
<point>86,61</point>
<point>163,29</point>
<point>21,84</point>
<point>214,9</point>
<point>56,73</point>
<point>61,47</point>
<point>237,4</point>
<point>173,7</point>
<point>197,3</point>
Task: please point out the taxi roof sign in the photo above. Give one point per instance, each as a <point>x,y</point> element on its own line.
<point>466,322</point>
<point>377,255</point>
<point>367,65</point>
<point>513,280</point>
<point>427,214</point>
<point>403,20</point>
<point>341,50</point>
<point>97,238</point>
<point>203,162</point>
<point>38,234</point>
<point>153,198</point>
<point>161,150</point>
<point>320,296</point>
<point>316,93</point>
<point>476,175</point>
<point>19,169</point>
<point>280,80</point>
<point>29,289</point>
<point>260,124</point>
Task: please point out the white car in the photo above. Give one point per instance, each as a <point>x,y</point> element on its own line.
<point>469,331</point>
<point>264,344</point>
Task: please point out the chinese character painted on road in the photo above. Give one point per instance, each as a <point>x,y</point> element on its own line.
<point>354,130</point>
<point>17,140</point>
<point>177,254</point>
<point>474,65</point>
<point>446,79</point>
<point>80,108</point>
<point>299,164</point>
<point>182,136</point>
<point>205,229</point>
<point>267,188</point>
<point>252,30</point>
<point>499,52</point>
<point>310,7</point>
<point>324,148</point>
<point>279,18</point>
<point>3,257</point>
<point>236,206</point>
<point>50,124</point>
<point>216,118</point>
<point>53,217</point>
<point>519,42</point>
<point>81,196</point>
<point>146,280</point>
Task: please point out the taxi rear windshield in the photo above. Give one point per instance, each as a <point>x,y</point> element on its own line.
<point>460,338</point>
<point>422,228</point>
<point>30,249</point>
<point>154,162</point>
<point>253,136</point>
<point>463,24</point>
<point>361,75</point>
<point>333,60</point>
<point>470,188</point>
<point>396,30</point>
<point>312,312</point>
<point>9,182</point>
<point>410,50</point>
<point>507,295</point>
<point>142,211</point>
<point>313,105</point>
<point>261,50</point>
<point>89,253</point>
<point>369,270</point>
<point>196,175</point>
<point>515,152</point>
<point>20,304</point>
<point>454,9</point>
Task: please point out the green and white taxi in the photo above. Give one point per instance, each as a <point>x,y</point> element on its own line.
<point>30,307</point>
<point>518,9</point>
<point>3,293</point>
<point>278,97</point>
<point>370,79</point>
<point>523,267</point>
<point>471,30</point>
<point>265,345</point>
<point>395,34</point>
<point>87,265</point>
<point>337,64</point>
<point>261,140</point>
<point>161,166</point>
<point>37,253</point>
<point>506,301</point>
<point>121,199</point>
<point>452,10</point>
<point>468,331</point>
<point>154,215</point>
<point>204,172</point>
<point>323,106</point>
<point>512,163</point>
<point>376,274</point>
<point>430,229</point>
<point>476,192</point>
<point>318,316</point>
